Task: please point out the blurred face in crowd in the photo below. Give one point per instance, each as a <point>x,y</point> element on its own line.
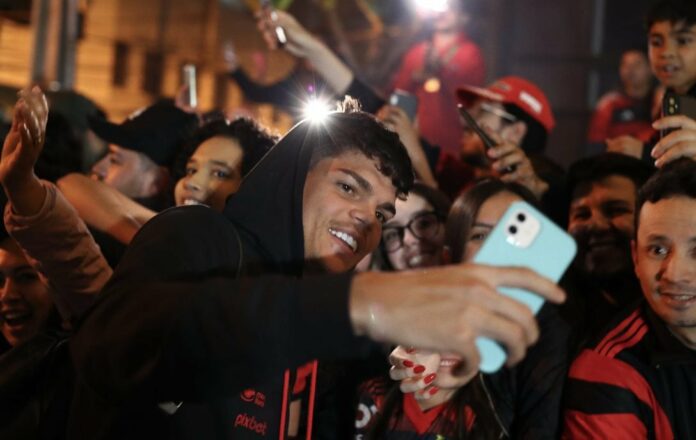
<point>492,117</point>
<point>602,223</point>
<point>213,172</point>
<point>132,173</point>
<point>672,52</point>
<point>665,262</point>
<point>415,236</point>
<point>489,214</point>
<point>345,202</point>
<point>25,302</point>
<point>635,71</point>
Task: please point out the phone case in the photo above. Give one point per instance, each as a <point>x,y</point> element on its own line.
<point>524,237</point>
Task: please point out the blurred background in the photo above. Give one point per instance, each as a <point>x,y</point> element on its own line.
<point>123,54</point>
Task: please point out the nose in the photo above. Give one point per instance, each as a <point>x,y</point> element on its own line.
<point>99,169</point>
<point>9,291</point>
<point>668,49</point>
<point>409,238</point>
<point>678,268</point>
<point>599,221</point>
<point>196,182</point>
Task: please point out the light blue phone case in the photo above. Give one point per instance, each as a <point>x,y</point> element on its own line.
<point>535,242</point>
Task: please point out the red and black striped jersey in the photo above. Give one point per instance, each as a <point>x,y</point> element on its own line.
<point>410,422</point>
<point>637,382</point>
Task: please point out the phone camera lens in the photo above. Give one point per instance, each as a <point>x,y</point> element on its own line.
<point>521,217</point>
<point>513,230</point>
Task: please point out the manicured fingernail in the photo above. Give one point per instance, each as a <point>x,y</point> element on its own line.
<point>433,390</point>
<point>419,369</point>
<point>429,378</point>
<point>408,364</point>
<point>410,350</point>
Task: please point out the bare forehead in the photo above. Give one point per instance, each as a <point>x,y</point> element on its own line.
<point>614,186</point>
<point>674,217</point>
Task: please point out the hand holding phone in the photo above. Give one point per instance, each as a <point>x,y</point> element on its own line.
<point>488,143</point>
<point>523,237</point>
<point>406,101</point>
<point>674,104</point>
<point>272,17</point>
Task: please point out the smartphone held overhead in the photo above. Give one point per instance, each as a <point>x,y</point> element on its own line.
<point>272,17</point>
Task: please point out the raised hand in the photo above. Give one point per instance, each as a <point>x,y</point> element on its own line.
<point>679,143</point>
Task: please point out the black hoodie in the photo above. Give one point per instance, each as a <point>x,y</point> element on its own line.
<point>211,310</point>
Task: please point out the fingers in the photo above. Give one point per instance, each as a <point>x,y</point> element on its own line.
<point>685,148</point>
<point>522,278</point>
<point>683,136</point>
<point>515,337</point>
<point>677,121</point>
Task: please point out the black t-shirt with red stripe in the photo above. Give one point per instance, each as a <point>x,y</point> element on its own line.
<point>638,381</point>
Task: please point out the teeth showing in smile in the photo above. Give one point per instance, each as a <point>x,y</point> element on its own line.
<point>448,363</point>
<point>415,261</point>
<point>346,238</point>
<point>191,202</point>
<point>12,317</point>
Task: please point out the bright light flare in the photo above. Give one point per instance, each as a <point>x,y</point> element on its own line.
<point>316,110</point>
<point>436,6</point>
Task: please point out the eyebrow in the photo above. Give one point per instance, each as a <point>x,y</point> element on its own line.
<point>362,182</point>
<point>220,163</point>
<point>482,225</point>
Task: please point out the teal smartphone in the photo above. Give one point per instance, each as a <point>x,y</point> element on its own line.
<point>524,237</point>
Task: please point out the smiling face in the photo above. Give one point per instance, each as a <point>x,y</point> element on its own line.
<point>665,262</point>
<point>213,173</point>
<point>345,202</point>
<point>672,52</point>
<point>25,302</point>
<point>602,223</point>
<point>415,251</point>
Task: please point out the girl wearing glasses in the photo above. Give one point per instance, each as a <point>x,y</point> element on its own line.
<point>430,400</point>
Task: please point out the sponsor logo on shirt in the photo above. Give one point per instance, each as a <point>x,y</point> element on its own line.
<point>250,423</point>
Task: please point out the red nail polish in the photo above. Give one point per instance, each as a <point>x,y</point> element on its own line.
<point>429,378</point>
<point>434,390</point>
<point>419,369</point>
<point>408,364</point>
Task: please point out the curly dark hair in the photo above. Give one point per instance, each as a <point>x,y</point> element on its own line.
<point>254,140</point>
<point>350,129</point>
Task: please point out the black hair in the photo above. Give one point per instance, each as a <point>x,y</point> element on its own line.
<point>677,178</point>
<point>673,11</point>
<point>473,395</point>
<point>534,140</point>
<point>254,140</point>
<point>350,129</point>
<point>465,209</point>
<point>441,204</point>
<point>601,166</point>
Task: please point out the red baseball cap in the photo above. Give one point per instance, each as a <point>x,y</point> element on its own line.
<point>513,90</point>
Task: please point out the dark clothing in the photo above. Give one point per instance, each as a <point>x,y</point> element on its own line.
<point>638,381</point>
<point>210,309</point>
<point>408,421</point>
<point>527,397</point>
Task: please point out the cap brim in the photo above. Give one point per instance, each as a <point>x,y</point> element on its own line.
<point>466,95</point>
<point>108,131</point>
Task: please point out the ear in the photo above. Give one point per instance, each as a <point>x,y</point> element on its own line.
<point>446,255</point>
<point>515,132</point>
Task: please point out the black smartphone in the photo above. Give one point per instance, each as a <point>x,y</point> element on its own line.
<point>674,104</point>
<point>281,37</point>
<point>406,101</point>
<point>488,143</point>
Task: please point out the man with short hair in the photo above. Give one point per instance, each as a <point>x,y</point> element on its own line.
<point>225,312</point>
<point>638,381</point>
<point>142,150</point>
<point>602,191</point>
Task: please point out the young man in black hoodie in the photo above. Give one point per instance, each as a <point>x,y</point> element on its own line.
<point>223,312</point>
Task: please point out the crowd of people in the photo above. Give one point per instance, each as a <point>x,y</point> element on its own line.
<point>209,279</point>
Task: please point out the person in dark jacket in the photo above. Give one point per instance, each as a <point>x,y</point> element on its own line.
<point>210,324</point>
<point>637,380</point>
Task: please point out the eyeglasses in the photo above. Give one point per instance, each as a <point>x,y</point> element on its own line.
<point>425,225</point>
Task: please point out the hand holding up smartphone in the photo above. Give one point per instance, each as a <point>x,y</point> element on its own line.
<point>271,16</point>
<point>677,129</point>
